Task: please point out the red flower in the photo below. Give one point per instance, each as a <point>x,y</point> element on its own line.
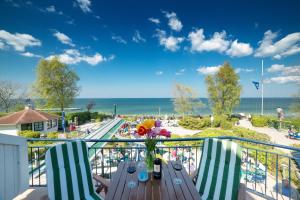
<point>141,130</point>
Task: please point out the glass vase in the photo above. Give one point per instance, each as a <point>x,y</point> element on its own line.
<point>150,156</point>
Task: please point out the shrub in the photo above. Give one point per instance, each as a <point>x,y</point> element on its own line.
<point>260,121</point>
<point>226,125</point>
<point>52,135</point>
<point>30,134</point>
<point>194,123</point>
<point>99,116</point>
<point>222,121</point>
<point>3,114</point>
<point>82,117</point>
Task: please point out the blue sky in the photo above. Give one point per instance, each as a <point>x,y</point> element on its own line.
<point>141,48</point>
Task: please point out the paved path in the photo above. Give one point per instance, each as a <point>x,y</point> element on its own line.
<point>277,137</point>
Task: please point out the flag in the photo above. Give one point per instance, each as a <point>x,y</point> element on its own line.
<point>63,120</point>
<point>256,84</point>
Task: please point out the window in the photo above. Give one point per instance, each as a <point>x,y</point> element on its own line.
<point>54,122</point>
<point>49,124</point>
<point>38,126</point>
<point>25,127</point>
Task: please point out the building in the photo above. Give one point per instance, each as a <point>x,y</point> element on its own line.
<point>28,119</point>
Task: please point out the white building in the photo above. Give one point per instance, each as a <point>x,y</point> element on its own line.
<point>28,119</point>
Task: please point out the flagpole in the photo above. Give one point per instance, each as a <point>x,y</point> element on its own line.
<point>262,87</point>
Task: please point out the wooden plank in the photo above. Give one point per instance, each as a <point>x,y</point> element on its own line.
<point>164,193</point>
<point>188,181</point>
<point>149,187</point>
<point>184,186</point>
<point>178,189</point>
<point>169,183</point>
<point>133,191</point>
<point>115,181</point>
<point>141,191</point>
<point>156,188</point>
<point>126,191</point>
<point>121,183</point>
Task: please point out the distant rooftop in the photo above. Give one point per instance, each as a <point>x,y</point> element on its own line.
<point>28,115</point>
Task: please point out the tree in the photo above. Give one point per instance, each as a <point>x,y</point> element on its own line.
<point>9,93</point>
<point>90,106</point>
<point>295,107</point>
<point>185,99</point>
<point>56,83</point>
<point>224,90</point>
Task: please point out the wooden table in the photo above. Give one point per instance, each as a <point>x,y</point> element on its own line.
<point>152,189</point>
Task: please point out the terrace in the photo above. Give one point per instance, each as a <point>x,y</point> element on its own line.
<point>266,173</point>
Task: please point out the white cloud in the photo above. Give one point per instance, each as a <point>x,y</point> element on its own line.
<point>169,42</point>
<point>208,70</point>
<point>2,45</point>
<point>51,9</point>
<point>29,54</point>
<point>289,45</point>
<point>239,70</point>
<point>119,39</point>
<point>94,38</point>
<point>73,56</point>
<point>159,73</point>
<point>180,72</point>
<point>85,5</point>
<point>18,41</point>
<point>111,57</point>
<point>239,49</point>
<point>289,70</point>
<point>63,38</point>
<point>217,42</point>
<point>288,74</point>
<point>283,79</point>
<point>154,20</point>
<point>174,23</point>
<point>137,37</point>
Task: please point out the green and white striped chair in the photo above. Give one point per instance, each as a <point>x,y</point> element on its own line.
<point>219,170</point>
<point>69,173</point>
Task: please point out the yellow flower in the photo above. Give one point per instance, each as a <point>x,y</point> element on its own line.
<point>149,123</point>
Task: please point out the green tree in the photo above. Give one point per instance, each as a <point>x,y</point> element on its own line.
<point>56,83</point>
<point>224,90</point>
<point>295,107</point>
<point>185,100</point>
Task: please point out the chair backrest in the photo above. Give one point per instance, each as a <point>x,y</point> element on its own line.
<point>69,172</point>
<point>219,170</point>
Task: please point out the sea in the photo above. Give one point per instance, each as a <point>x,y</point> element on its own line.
<point>164,106</point>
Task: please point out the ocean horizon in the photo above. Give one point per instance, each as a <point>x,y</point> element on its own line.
<point>163,106</point>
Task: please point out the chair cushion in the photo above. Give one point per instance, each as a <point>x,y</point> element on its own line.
<point>69,172</point>
<point>219,170</point>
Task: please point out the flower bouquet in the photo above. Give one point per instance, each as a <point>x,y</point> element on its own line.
<point>151,129</point>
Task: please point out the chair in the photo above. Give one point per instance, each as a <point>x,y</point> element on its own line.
<point>69,173</point>
<point>219,170</point>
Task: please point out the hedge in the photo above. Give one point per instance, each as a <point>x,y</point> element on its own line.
<point>271,121</point>
<point>29,134</point>
<point>201,123</point>
<point>260,121</point>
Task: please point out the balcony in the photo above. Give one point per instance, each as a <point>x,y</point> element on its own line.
<point>269,171</point>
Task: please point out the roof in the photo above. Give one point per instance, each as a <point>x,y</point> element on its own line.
<point>28,115</point>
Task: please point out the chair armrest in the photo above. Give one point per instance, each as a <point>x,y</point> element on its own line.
<point>194,176</point>
<point>103,181</point>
